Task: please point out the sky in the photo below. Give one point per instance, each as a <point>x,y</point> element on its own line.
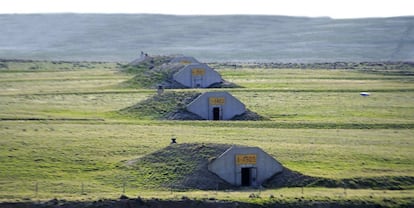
<point>308,8</point>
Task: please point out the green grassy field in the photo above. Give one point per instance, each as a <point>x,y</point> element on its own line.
<point>61,135</point>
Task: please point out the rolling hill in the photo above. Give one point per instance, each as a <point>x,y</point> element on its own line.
<point>234,38</point>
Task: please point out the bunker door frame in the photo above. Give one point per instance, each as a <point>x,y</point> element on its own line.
<point>251,178</point>
<point>197,81</point>
<point>213,112</point>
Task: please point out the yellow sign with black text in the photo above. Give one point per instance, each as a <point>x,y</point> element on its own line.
<point>249,159</point>
<point>198,72</point>
<point>184,62</point>
<point>217,100</point>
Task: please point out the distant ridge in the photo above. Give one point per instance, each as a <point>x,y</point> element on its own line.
<point>229,38</point>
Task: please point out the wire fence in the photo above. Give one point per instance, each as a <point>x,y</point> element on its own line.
<point>34,190</point>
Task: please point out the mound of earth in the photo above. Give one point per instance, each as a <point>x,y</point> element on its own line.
<point>146,62</point>
<point>169,105</point>
<point>172,106</point>
<point>154,71</point>
<point>150,72</point>
<point>249,116</point>
<point>289,178</point>
<point>183,166</point>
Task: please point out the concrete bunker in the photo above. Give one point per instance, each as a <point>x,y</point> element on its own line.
<point>197,76</point>
<point>245,166</point>
<point>216,106</point>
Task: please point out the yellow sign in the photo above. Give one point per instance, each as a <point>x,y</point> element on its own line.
<point>185,62</point>
<point>216,100</point>
<point>198,72</point>
<point>246,159</point>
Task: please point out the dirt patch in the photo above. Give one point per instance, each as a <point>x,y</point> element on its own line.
<point>185,202</point>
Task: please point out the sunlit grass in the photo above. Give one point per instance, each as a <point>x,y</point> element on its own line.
<point>318,125</point>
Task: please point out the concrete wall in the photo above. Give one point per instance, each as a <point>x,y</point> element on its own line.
<point>184,60</point>
<point>226,166</point>
<point>197,76</point>
<point>228,105</point>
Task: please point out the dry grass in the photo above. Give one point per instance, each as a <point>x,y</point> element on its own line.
<point>318,126</point>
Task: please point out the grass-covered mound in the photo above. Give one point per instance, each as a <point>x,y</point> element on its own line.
<point>185,166</point>
<point>169,105</point>
<point>182,166</point>
<point>289,178</point>
<point>145,63</point>
<point>153,71</point>
<point>172,106</point>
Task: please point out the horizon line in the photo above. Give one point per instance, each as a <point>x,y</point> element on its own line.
<point>172,14</point>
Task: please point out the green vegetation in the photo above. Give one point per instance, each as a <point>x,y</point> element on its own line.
<point>144,64</point>
<point>149,72</point>
<point>62,136</point>
<point>161,106</point>
<point>180,166</point>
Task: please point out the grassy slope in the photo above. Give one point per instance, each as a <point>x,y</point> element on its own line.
<point>323,105</point>
<point>160,106</point>
<point>148,73</point>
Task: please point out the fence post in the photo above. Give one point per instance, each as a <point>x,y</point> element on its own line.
<point>123,186</point>
<point>36,189</point>
<point>82,189</point>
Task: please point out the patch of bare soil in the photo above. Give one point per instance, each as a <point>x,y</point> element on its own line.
<point>185,202</point>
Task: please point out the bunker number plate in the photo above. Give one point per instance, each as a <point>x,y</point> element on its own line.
<point>198,72</point>
<point>246,159</point>
<point>185,62</point>
<point>217,101</point>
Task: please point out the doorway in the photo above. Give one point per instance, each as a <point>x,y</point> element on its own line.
<point>246,175</point>
<point>216,113</point>
<point>197,81</point>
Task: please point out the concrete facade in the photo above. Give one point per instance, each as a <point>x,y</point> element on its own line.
<point>245,166</point>
<point>216,106</point>
<point>184,60</point>
<point>197,76</point>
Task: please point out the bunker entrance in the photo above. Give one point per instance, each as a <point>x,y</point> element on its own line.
<point>216,113</point>
<point>246,176</point>
<point>197,81</point>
